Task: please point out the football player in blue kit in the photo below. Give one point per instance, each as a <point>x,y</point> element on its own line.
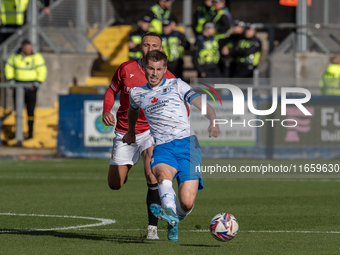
<point>177,152</point>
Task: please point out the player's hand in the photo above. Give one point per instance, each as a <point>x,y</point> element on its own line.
<point>214,131</point>
<point>129,138</point>
<point>109,119</point>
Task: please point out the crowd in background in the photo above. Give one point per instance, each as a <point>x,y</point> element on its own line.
<point>223,47</point>
<point>13,15</point>
<point>24,65</point>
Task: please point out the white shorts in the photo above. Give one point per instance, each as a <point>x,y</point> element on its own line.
<point>123,154</point>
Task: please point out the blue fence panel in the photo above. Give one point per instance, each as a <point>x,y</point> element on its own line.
<point>315,136</point>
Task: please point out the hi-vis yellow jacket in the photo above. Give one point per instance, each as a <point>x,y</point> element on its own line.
<point>12,11</point>
<point>26,68</point>
<point>330,81</point>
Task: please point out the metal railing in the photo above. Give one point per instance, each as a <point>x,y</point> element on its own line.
<point>19,106</point>
<point>65,29</point>
<point>69,28</point>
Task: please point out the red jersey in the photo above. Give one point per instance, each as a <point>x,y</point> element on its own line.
<point>129,75</point>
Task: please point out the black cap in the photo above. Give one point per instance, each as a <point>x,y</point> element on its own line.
<point>239,23</point>
<point>146,18</point>
<point>250,26</point>
<point>209,24</point>
<point>166,22</point>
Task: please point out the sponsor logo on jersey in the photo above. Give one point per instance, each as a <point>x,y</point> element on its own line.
<point>154,100</point>
<point>156,104</point>
<point>166,90</point>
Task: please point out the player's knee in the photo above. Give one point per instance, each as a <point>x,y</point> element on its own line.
<point>187,205</point>
<point>115,182</point>
<point>160,175</point>
<point>114,185</point>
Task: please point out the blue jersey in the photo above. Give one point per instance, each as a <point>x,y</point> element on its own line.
<point>164,108</point>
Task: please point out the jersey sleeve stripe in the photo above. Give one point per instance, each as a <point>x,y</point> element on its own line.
<point>113,87</point>
<point>190,95</point>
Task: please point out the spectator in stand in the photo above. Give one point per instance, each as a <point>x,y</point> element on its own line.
<point>246,54</point>
<point>222,19</point>
<point>12,17</point>
<point>330,81</point>
<point>26,66</point>
<point>135,38</point>
<point>174,43</point>
<point>205,12</point>
<point>159,12</point>
<point>227,45</point>
<point>44,6</point>
<point>206,55</point>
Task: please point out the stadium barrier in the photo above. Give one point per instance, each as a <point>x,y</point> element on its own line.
<point>0,129</point>
<point>81,132</point>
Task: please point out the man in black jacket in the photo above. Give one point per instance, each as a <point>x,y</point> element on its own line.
<point>227,45</point>
<point>246,54</point>
<point>206,55</point>
<point>174,43</point>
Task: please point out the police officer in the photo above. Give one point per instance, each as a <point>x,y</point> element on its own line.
<point>228,44</point>
<point>29,67</point>
<point>160,11</point>
<point>174,43</point>
<point>246,54</point>
<point>206,53</point>
<point>12,14</point>
<point>135,38</point>
<point>205,12</point>
<point>222,19</point>
<point>330,81</point>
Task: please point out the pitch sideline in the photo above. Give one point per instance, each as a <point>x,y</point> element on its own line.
<point>102,222</point>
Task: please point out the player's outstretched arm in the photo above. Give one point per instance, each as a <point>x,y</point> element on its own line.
<point>130,136</point>
<point>213,129</point>
<point>109,100</point>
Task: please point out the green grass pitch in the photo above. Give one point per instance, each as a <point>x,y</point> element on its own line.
<point>275,215</point>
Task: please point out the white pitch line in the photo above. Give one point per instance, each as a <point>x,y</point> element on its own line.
<point>247,231</point>
<point>102,222</point>
<point>293,231</point>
